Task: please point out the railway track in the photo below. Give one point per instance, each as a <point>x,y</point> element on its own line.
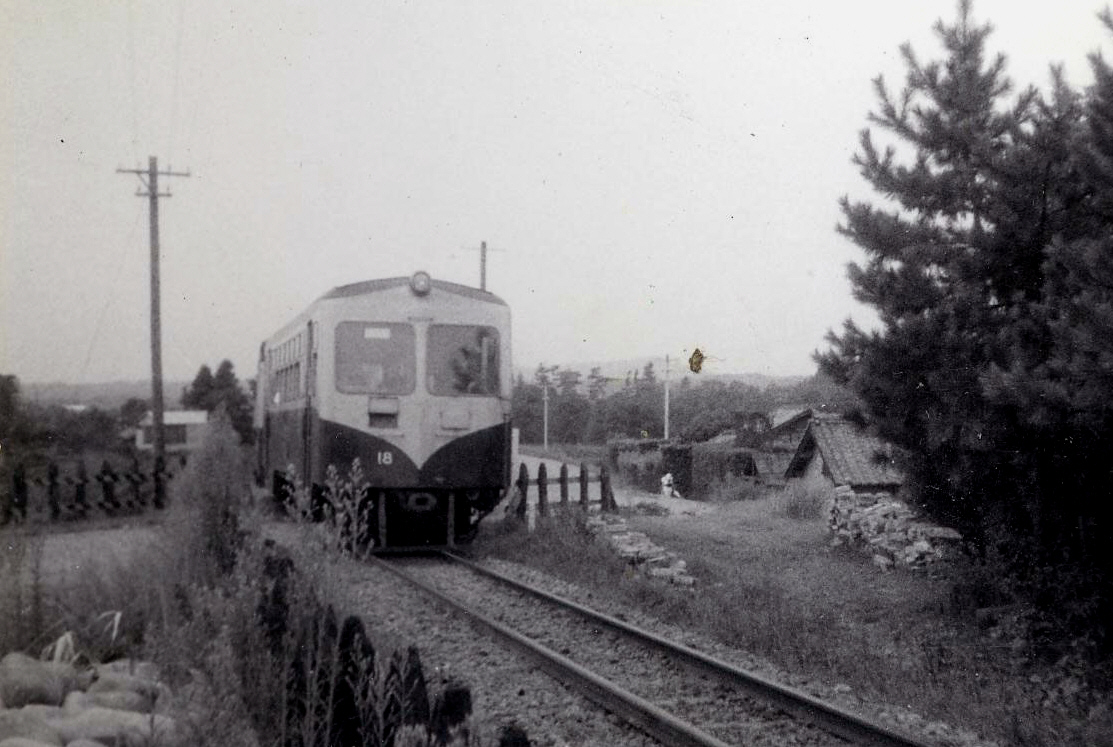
<point>673,693</point>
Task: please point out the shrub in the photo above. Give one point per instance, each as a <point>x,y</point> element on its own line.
<point>804,502</point>
<point>202,532</point>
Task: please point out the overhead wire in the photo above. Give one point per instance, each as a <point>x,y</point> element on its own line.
<point>174,97</point>
<point>121,256</point>
<point>131,75</point>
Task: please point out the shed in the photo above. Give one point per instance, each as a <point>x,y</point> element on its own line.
<point>837,451</point>
<point>184,430</point>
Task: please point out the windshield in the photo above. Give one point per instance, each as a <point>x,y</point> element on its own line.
<point>463,359</point>
<point>375,358</point>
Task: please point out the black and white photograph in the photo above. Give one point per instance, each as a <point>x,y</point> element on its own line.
<point>499,374</point>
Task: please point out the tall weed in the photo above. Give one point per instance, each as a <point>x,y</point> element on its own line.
<point>202,534</point>
<point>803,502</point>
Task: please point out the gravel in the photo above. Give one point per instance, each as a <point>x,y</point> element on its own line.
<point>719,710</point>
<point>506,688</point>
<point>840,695</point>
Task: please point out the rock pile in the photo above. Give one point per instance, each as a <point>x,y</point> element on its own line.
<point>888,529</point>
<point>52,704</point>
<point>638,550</point>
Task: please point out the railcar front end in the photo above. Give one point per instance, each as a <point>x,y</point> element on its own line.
<point>409,376</point>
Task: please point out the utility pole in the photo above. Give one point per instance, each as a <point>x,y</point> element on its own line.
<point>151,183</point>
<point>483,264</point>
<point>666,397</point>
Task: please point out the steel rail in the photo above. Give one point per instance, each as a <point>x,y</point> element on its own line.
<point>807,708</point>
<point>654,721</point>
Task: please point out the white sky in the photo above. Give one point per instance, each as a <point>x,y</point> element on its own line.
<point>654,176</point>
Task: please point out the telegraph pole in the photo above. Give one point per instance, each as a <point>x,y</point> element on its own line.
<point>151,183</point>
<point>483,264</point>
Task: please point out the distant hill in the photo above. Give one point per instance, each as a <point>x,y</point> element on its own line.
<point>108,395</point>
<point>619,369</point>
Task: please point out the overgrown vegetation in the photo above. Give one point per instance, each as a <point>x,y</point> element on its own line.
<point>242,630</point>
<point>802,502</point>
<point>989,261</point>
<point>769,584</point>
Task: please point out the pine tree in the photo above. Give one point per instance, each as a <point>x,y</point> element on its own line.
<point>198,395</point>
<point>954,260</point>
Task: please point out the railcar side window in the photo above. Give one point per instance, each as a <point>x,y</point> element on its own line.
<point>375,358</point>
<point>463,359</point>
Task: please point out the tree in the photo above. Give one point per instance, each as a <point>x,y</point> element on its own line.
<point>596,384</point>
<point>9,404</point>
<point>208,392</point>
<point>133,411</point>
<point>948,265</point>
<point>979,268</point>
<point>199,394</point>
<point>568,382</point>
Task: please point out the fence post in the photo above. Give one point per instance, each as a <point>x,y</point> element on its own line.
<point>606,495</point>
<point>134,478</point>
<point>563,486</point>
<point>542,490</point>
<point>523,490</point>
<point>80,501</point>
<point>108,489</point>
<point>583,487</point>
<point>52,490</point>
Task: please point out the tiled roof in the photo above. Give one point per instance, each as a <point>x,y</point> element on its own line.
<point>850,455</point>
<point>786,413</point>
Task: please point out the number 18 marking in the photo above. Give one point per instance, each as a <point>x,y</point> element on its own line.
<point>385,457</point>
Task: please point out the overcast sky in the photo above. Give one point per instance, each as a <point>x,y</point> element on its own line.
<point>651,176</point>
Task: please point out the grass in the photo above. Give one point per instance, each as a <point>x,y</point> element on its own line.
<point>801,502</point>
<point>771,584</point>
<point>197,595</point>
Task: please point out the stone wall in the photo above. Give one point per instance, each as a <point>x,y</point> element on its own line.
<point>640,551</point>
<point>887,529</point>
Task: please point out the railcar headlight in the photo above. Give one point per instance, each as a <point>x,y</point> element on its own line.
<point>421,283</point>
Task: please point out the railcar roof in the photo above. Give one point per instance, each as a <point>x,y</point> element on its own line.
<point>373,286</point>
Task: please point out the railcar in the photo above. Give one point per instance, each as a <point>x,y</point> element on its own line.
<point>412,377</point>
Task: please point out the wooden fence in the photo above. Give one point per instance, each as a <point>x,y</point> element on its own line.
<point>55,497</point>
<point>563,484</point>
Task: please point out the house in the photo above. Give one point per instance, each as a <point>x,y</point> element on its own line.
<point>184,430</point>
<point>836,451</point>
<point>786,432</point>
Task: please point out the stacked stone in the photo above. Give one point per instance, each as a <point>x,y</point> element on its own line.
<point>640,551</point>
<point>887,529</point>
<point>52,704</point>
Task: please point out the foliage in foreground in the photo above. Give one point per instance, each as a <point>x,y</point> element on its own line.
<point>988,260</point>
<point>251,652</point>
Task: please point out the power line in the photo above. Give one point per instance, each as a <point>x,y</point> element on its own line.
<point>111,296</point>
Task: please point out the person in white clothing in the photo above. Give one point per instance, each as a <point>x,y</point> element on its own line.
<point>667,490</point>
